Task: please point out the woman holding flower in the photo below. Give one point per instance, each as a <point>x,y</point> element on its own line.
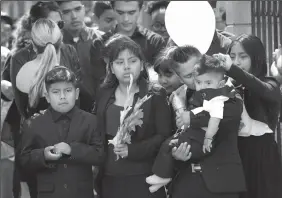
<point>124,84</point>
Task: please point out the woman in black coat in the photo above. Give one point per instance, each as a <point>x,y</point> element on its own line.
<point>261,94</point>
<point>126,176</point>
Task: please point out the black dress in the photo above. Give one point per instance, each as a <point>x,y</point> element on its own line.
<point>259,154</point>
<point>115,182</point>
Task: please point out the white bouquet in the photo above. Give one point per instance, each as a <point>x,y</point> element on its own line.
<point>128,123</point>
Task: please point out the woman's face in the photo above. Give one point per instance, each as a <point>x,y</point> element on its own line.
<point>55,16</point>
<point>125,64</point>
<point>169,80</point>
<point>240,57</point>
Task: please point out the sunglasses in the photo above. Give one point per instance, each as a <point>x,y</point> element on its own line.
<point>61,24</point>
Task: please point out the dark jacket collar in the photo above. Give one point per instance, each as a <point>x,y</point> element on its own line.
<point>139,31</point>
<point>83,35</point>
<point>57,115</point>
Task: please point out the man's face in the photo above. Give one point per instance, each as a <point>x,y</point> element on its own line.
<point>185,71</point>
<point>127,14</point>
<point>73,15</point>
<point>107,20</point>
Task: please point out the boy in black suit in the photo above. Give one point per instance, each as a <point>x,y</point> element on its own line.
<point>61,145</point>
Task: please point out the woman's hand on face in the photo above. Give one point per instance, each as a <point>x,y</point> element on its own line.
<point>182,153</point>
<point>225,60</point>
<point>121,150</point>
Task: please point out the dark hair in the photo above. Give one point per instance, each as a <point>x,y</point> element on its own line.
<point>100,7</point>
<point>156,5</point>
<point>140,4</point>
<point>255,49</point>
<point>213,4</point>
<point>183,53</point>
<point>113,46</point>
<point>42,9</point>
<point>163,62</point>
<point>223,17</point>
<point>61,2</point>
<point>208,64</point>
<point>60,74</point>
<point>7,19</point>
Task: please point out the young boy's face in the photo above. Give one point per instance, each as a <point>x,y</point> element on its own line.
<point>210,80</point>
<point>169,80</point>
<point>62,96</point>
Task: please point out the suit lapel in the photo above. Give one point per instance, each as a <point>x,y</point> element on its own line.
<point>144,90</point>
<point>102,107</point>
<point>75,125</point>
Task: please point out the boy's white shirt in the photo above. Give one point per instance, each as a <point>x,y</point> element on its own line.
<point>215,107</point>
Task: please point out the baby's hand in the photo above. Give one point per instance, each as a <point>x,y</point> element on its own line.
<point>207,145</point>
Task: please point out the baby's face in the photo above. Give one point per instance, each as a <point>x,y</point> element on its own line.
<point>210,80</point>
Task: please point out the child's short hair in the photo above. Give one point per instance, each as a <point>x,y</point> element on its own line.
<point>208,64</point>
<point>60,74</point>
<point>100,7</point>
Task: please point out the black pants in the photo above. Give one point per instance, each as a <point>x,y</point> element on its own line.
<point>165,164</point>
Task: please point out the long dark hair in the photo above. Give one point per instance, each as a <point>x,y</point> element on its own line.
<point>255,49</point>
<point>113,46</point>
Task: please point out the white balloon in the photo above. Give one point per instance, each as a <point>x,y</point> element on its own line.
<point>191,23</point>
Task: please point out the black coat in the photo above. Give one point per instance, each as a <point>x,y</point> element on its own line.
<point>69,176</point>
<point>146,140</point>
<point>222,169</point>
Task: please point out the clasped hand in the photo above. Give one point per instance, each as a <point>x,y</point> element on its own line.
<point>183,119</point>
<point>121,150</point>
<point>55,152</point>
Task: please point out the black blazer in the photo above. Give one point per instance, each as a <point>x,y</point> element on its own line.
<point>222,169</point>
<point>262,96</point>
<point>70,176</point>
<point>146,140</point>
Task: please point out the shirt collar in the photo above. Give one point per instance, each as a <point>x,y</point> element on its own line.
<point>83,35</point>
<point>57,115</point>
<point>139,31</point>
